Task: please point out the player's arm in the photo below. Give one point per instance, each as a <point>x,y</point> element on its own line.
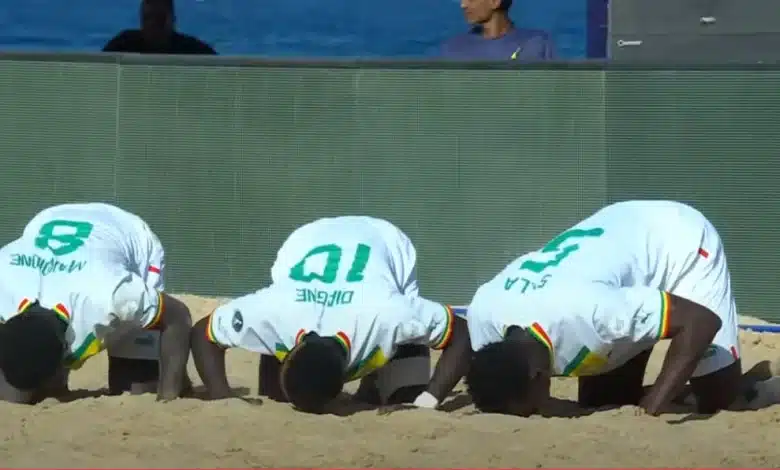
<point>236,324</point>
<point>209,358</point>
<point>451,367</point>
<point>692,329</point>
<point>434,324</point>
<point>642,314</point>
<point>135,302</point>
<point>175,322</point>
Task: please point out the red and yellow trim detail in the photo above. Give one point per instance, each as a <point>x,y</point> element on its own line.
<point>23,305</point>
<point>156,320</point>
<point>344,341</point>
<point>446,337</point>
<point>210,329</point>
<point>62,312</point>
<point>299,336</point>
<point>538,332</point>
<point>663,325</point>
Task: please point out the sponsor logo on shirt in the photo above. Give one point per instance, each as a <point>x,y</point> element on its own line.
<point>46,266</point>
<point>324,297</point>
<point>238,321</point>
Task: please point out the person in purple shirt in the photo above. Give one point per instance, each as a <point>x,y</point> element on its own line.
<point>493,36</point>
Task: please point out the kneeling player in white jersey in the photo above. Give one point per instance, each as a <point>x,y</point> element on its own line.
<point>82,277</point>
<point>594,301</point>
<point>343,304</point>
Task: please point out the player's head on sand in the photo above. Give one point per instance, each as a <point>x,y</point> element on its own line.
<point>32,347</point>
<point>313,373</point>
<point>511,376</point>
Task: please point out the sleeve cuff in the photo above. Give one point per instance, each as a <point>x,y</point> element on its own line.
<point>210,336</point>
<point>663,325</point>
<point>157,318</point>
<point>446,336</point>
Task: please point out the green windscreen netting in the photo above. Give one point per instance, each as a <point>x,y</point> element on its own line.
<point>477,165</point>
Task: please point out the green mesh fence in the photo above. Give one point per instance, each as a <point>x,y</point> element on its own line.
<point>710,138</point>
<point>476,163</point>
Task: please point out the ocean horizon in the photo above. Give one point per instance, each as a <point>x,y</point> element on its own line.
<point>302,28</point>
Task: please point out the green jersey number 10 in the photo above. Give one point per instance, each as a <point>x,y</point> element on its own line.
<point>332,269</point>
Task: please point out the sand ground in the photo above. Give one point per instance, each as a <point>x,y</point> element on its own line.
<point>135,431</point>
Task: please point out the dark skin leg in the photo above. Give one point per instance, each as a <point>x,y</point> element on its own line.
<point>175,326</point>
<point>269,374</point>
<point>720,389</point>
<point>368,392</point>
<point>210,362</point>
<point>622,386</point>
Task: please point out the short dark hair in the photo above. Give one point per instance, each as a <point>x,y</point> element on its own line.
<point>313,373</point>
<point>496,377</point>
<point>32,347</point>
<point>505,5</point>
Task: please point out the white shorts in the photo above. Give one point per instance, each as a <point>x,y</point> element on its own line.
<point>707,282</point>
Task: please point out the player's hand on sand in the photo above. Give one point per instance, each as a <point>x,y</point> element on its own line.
<point>426,400</point>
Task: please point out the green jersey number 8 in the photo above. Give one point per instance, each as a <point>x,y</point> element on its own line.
<point>332,264</point>
<point>63,237</point>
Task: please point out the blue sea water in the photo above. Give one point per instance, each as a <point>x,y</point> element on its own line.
<point>283,28</point>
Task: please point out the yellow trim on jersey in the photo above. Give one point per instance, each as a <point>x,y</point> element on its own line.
<point>538,332</point>
<point>210,330</point>
<point>585,363</point>
<point>90,347</point>
<point>344,341</point>
<point>155,322</point>
<point>62,312</point>
<point>375,360</point>
<point>663,325</point>
<point>448,328</point>
<point>23,305</point>
<point>299,336</point>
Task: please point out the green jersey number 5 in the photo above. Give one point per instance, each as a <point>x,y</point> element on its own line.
<point>330,272</point>
<point>560,248</point>
<point>561,252</point>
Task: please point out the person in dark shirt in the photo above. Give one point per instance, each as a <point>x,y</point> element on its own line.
<point>157,34</point>
<point>493,36</point>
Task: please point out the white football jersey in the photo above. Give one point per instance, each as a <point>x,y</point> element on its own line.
<point>666,246</point>
<point>99,267</point>
<point>69,234</point>
<point>589,328</point>
<point>272,321</point>
<point>340,253</point>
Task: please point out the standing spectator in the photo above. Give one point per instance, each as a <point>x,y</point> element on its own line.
<point>157,34</point>
<point>493,36</point>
